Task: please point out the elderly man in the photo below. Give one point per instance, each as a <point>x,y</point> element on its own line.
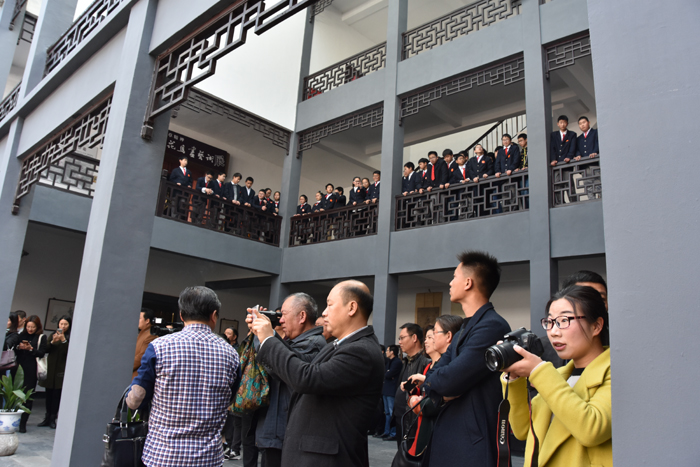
<point>299,312</point>
<point>335,395</point>
<point>190,377</point>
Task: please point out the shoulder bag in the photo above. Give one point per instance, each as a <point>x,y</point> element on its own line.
<point>41,363</point>
<point>124,440</point>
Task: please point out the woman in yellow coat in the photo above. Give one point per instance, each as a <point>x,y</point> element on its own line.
<point>571,415</point>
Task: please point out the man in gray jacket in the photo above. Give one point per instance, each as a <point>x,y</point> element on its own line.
<point>299,313</point>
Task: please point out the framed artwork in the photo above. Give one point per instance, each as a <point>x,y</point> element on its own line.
<point>227,323</point>
<point>54,310</point>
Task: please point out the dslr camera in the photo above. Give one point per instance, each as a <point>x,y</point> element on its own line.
<point>160,328</point>
<point>503,355</point>
<point>273,316</point>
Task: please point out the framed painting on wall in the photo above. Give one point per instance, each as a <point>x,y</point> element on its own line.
<point>54,310</point>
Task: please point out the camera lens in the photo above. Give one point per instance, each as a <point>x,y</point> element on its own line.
<point>501,356</point>
<point>494,359</point>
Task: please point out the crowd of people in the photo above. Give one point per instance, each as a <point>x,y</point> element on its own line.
<point>331,385</point>
<point>25,336</point>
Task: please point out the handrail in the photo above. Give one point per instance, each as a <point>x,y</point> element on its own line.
<point>9,103</point>
<point>335,224</point>
<point>576,181</point>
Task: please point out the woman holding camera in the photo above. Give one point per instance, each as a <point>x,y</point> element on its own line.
<point>58,354</point>
<point>33,345</point>
<point>571,416</point>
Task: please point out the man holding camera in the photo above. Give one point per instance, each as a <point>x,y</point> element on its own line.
<point>298,321</point>
<point>189,377</point>
<point>335,395</point>
<point>466,427</point>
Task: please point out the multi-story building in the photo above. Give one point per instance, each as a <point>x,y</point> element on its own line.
<point>101,99</point>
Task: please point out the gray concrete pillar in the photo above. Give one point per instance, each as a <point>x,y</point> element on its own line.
<point>385,284</point>
<point>8,40</point>
<point>651,223</point>
<point>543,270</point>
<point>116,254</point>
<point>55,18</point>
<point>291,174</point>
<point>13,228</point>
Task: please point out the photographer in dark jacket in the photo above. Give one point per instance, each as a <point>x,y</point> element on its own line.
<point>299,313</point>
<point>411,343</point>
<point>391,381</point>
<point>58,354</point>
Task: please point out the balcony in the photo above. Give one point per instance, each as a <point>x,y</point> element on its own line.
<point>576,182</point>
<point>337,224</point>
<point>193,207</point>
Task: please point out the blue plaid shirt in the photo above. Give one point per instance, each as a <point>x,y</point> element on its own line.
<point>189,377</point>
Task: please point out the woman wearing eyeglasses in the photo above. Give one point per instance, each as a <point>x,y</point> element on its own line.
<point>572,414</point>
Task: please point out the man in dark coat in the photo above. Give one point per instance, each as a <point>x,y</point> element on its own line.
<point>299,313</point>
<point>466,427</point>
<point>358,192</point>
<point>587,141</point>
<point>562,143</point>
<point>181,175</point>
<point>335,395</point>
<point>391,382</point>
<point>411,339</point>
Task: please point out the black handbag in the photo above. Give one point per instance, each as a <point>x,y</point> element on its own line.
<point>403,458</point>
<point>124,440</point>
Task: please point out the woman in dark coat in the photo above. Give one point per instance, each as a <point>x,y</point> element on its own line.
<point>33,345</point>
<point>58,353</point>
<point>11,335</point>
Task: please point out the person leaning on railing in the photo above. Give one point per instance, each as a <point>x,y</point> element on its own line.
<point>572,415</point>
<point>480,166</point>
<point>303,207</point>
<point>562,147</point>
<point>317,205</point>
<point>587,141</point>
<point>508,158</point>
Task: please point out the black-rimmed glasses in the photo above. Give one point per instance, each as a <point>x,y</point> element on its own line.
<point>563,322</point>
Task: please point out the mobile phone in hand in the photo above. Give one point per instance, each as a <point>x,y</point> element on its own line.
<point>409,386</point>
<point>60,331</point>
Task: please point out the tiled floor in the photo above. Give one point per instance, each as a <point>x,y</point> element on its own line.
<point>36,445</point>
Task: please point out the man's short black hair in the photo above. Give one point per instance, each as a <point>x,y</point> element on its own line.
<point>340,190</point>
<point>523,136</point>
<point>431,153</point>
<point>423,160</point>
<point>261,190</point>
<point>268,189</point>
<point>209,172</point>
<point>220,172</point>
<point>377,172</point>
<point>506,135</point>
<point>198,303</point>
<point>307,304</point>
<point>330,185</point>
<point>364,300</point>
<point>148,314</point>
<point>414,330</point>
<point>395,350</point>
<point>306,198</point>
<point>583,117</point>
<point>182,156</point>
<point>237,174</point>
<point>563,117</point>
<point>410,165</point>
<point>485,268</point>
<point>250,179</point>
<point>447,152</point>
<point>21,314</point>
<point>584,276</point>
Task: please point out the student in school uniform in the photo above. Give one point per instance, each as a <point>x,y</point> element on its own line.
<point>181,175</point>
<point>373,191</point>
<point>562,146</point>
<point>303,207</point>
<point>232,190</point>
<point>587,141</point>
<point>342,200</point>
<point>330,199</point>
<point>248,194</point>
<point>358,192</point>
<point>202,183</point>
<point>508,158</point>
<point>437,173</point>
<point>409,180</point>
<point>217,185</point>
<point>317,205</point>
<point>260,202</point>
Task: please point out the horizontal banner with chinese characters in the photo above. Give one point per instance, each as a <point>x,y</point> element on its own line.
<point>197,151</point>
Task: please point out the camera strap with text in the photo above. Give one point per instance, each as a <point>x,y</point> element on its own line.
<point>534,462</point>
<point>503,431</point>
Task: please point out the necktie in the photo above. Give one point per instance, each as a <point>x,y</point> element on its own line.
<point>375,184</point>
<point>507,150</point>
<point>219,184</point>
<point>562,137</point>
<point>432,173</point>
<point>585,135</point>
<point>184,170</point>
<point>464,173</point>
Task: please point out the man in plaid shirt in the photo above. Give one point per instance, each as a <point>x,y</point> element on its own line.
<point>189,377</point>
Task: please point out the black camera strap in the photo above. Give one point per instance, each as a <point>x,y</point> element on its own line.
<point>534,462</point>
<point>503,431</point>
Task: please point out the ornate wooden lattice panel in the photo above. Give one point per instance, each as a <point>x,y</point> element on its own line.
<point>10,102</point>
<point>368,118</point>
<point>195,58</point>
<point>19,6</point>
<point>506,73</point>
<point>321,5</point>
<point>345,71</point>
<point>87,132</point>
<point>193,207</point>
<point>202,103</point>
<point>463,202</point>
<point>336,224</point>
<point>79,30</point>
<point>466,20</point>
<point>74,174</point>
<point>566,53</point>
<point>576,182</point>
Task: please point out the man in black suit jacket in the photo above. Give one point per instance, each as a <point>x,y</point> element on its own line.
<point>358,192</point>
<point>232,190</point>
<point>181,175</point>
<point>260,202</point>
<point>422,182</point>
<point>479,166</point>
<point>461,173</point>
<point>330,199</point>
<point>508,158</point>
<point>449,158</point>
<point>562,145</point>
<point>248,193</point>
<point>202,183</point>
<point>335,396</point>
<point>373,191</point>
<point>217,185</point>
<point>587,141</point>
<point>410,181</point>
<point>466,427</point>
<point>342,200</point>
<point>437,174</point>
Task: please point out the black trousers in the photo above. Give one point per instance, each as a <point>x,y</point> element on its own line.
<point>235,443</point>
<point>250,451</point>
<point>53,400</point>
<point>271,457</point>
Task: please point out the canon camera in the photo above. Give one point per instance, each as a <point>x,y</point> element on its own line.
<point>503,355</point>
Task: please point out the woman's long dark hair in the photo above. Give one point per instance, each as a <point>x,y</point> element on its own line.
<point>70,324</point>
<point>14,321</point>
<point>586,301</point>
<point>37,321</point>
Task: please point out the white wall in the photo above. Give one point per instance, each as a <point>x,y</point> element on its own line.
<point>456,141</point>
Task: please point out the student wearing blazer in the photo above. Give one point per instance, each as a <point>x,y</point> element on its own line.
<point>572,414</point>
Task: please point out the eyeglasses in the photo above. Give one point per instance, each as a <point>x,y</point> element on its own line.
<point>562,322</point>
<point>402,338</point>
<point>440,332</point>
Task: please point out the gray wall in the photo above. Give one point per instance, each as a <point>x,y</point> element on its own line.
<point>645,61</point>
